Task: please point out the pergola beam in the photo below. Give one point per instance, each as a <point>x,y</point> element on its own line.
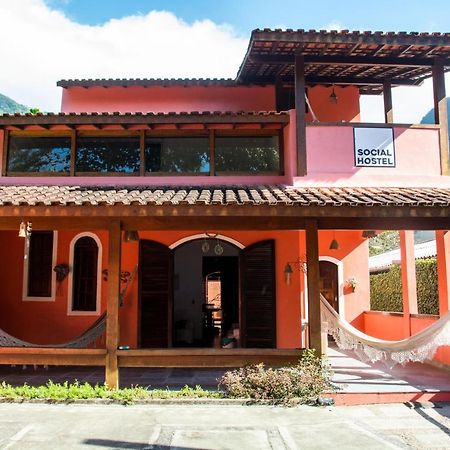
<point>342,60</point>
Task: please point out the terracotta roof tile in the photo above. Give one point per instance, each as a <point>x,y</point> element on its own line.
<point>223,195</point>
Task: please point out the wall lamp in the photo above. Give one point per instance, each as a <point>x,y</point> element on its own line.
<point>333,98</point>
<point>25,229</point>
<point>289,269</point>
<point>131,236</point>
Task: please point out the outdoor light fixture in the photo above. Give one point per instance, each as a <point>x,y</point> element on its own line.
<point>289,269</point>
<point>25,229</point>
<point>369,234</point>
<point>131,236</point>
<point>334,244</point>
<point>333,97</point>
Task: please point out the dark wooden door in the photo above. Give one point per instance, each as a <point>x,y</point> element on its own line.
<point>258,300</point>
<point>155,295</point>
<point>329,283</point>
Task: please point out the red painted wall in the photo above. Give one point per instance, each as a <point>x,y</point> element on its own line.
<point>168,99</point>
<point>48,322</point>
<point>40,322</point>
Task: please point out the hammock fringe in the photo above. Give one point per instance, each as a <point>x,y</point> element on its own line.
<point>418,348</point>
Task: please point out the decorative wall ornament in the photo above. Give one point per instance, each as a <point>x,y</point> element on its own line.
<point>62,270</point>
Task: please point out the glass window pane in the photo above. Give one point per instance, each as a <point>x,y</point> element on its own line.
<point>247,154</point>
<point>108,154</point>
<point>181,155</point>
<point>39,154</point>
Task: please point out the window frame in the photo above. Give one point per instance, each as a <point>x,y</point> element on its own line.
<point>210,134</point>
<point>26,261</point>
<point>33,134</point>
<point>70,310</point>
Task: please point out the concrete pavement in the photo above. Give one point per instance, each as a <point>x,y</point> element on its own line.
<point>40,426</point>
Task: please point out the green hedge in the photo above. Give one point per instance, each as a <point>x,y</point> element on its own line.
<point>386,288</point>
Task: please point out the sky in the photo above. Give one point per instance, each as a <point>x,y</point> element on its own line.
<point>48,40</point>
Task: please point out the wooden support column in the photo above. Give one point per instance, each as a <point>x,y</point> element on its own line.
<point>441,114</point>
<point>409,286</point>
<point>387,99</point>
<point>112,307</point>
<point>443,269</point>
<point>300,109</point>
<point>313,279</point>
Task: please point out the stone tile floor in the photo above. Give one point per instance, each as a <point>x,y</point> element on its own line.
<point>350,374</point>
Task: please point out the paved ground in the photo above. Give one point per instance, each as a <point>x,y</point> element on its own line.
<point>39,426</point>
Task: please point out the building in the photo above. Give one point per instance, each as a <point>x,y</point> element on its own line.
<point>241,182</point>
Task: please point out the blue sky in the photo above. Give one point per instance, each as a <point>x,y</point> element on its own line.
<point>245,15</point>
<point>48,40</point>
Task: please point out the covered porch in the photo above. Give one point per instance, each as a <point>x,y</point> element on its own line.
<point>249,210</point>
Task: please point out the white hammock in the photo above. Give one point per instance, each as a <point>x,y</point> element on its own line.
<point>82,341</point>
<point>420,347</point>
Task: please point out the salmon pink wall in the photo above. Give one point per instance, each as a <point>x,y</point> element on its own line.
<point>345,110</point>
<point>40,322</point>
<point>330,159</point>
<point>390,326</point>
<point>354,253</point>
<point>168,99</point>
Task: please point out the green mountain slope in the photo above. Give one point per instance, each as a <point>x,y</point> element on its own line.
<point>9,106</point>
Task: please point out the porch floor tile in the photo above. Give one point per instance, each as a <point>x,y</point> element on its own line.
<point>350,375</point>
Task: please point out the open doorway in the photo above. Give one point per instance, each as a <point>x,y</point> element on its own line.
<point>329,283</point>
<point>206,293</point>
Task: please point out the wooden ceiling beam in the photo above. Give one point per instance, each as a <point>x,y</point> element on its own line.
<point>346,60</point>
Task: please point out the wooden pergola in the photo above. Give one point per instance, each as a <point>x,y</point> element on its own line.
<point>373,61</point>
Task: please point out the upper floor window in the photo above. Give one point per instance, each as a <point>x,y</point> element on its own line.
<point>202,152</point>
<point>38,154</point>
<point>247,154</point>
<point>179,155</point>
<point>108,154</point>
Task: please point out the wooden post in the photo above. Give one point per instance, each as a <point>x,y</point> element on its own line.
<point>112,308</point>
<point>313,279</point>
<point>443,269</point>
<point>441,114</point>
<point>409,286</point>
<point>300,110</point>
<point>387,99</point>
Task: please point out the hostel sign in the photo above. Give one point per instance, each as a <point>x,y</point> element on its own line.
<point>374,147</point>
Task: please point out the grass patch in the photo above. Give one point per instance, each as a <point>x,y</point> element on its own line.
<point>70,392</point>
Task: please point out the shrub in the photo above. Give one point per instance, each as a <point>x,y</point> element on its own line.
<point>386,288</point>
<point>300,383</point>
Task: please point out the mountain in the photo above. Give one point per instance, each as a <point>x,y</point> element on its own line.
<point>429,116</point>
<point>9,106</point>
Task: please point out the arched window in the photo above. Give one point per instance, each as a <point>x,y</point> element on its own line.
<point>84,285</point>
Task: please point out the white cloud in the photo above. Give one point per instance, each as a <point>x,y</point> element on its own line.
<point>410,104</point>
<point>42,45</point>
<point>334,25</point>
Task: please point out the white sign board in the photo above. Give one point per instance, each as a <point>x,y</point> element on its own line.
<point>374,147</point>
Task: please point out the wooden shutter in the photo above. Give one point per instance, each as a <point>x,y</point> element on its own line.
<point>85,266</point>
<point>40,259</point>
<point>155,294</point>
<point>258,308</point>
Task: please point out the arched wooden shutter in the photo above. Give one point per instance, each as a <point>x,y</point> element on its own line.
<point>258,313</point>
<point>155,294</point>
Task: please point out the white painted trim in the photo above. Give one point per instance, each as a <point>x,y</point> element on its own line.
<point>340,267</point>
<point>193,237</point>
<point>70,311</point>
<point>26,254</point>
